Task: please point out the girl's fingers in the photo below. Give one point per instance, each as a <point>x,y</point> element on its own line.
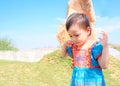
<point>69,42</point>
<point>104,35</point>
<point>104,38</point>
<point>100,39</point>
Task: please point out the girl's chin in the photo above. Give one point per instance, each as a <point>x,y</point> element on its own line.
<point>79,43</point>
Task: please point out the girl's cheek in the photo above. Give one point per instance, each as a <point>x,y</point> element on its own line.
<point>78,38</point>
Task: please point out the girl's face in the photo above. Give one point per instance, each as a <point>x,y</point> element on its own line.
<point>78,34</point>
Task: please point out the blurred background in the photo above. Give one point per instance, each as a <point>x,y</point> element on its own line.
<point>33,24</point>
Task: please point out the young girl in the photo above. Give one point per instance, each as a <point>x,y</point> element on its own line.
<point>89,57</point>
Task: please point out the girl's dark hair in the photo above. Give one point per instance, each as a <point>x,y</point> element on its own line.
<point>77,18</point>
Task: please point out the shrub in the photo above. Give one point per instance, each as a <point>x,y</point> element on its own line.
<point>6,44</point>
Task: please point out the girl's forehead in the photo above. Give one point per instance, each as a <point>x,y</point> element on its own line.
<point>74,31</point>
<point>75,28</point>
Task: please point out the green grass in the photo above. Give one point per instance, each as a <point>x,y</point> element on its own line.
<point>115,46</point>
<point>112,74</point>
<point>52,70</point>
<point>6,44</point>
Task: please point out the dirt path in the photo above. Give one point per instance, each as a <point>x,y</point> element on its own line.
<point>32,55</point>
<point>35,55</point>
<point>115,53</point>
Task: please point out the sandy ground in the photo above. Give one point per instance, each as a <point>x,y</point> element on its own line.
<point>32,55</point>
<point>35,55</point>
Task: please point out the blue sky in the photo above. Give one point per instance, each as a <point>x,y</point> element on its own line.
<point>34,23</point>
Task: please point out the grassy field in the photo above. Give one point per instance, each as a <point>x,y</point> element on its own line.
<point>52,70</point>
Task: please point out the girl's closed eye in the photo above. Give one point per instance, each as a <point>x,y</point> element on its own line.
<point>76,35</point>
<point>70,36</point>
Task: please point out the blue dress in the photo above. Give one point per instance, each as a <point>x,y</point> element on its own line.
<point>86,70</point>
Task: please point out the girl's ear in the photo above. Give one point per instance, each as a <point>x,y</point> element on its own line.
<point>89,31</point>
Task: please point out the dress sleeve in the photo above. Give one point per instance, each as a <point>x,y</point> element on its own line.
<point>97,50</point>
<point>69,51</point>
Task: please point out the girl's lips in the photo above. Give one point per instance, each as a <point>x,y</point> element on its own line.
<point>77,43</point>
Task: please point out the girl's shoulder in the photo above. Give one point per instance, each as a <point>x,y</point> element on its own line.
<point>97,45</point>
<point>96,49</point>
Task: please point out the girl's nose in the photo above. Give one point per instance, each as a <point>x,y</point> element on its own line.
<point>74,37</point>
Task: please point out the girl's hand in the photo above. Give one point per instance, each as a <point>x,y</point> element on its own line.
<point>68,43</point>
<point>64,47</point>
<point>104,39</point>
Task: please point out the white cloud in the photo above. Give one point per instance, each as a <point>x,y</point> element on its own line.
<point>53,26</point>
<point>5,34</point>
<point>111,25</point>
<point>9,35</point>
<point>107,24</point>
<point>60,19</point>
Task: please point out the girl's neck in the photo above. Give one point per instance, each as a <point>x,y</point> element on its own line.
<point>87,44</point>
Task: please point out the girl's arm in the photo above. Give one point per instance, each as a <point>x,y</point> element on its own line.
<point>104,59</point>
<point>64,50</point>
<point>64,47</point>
